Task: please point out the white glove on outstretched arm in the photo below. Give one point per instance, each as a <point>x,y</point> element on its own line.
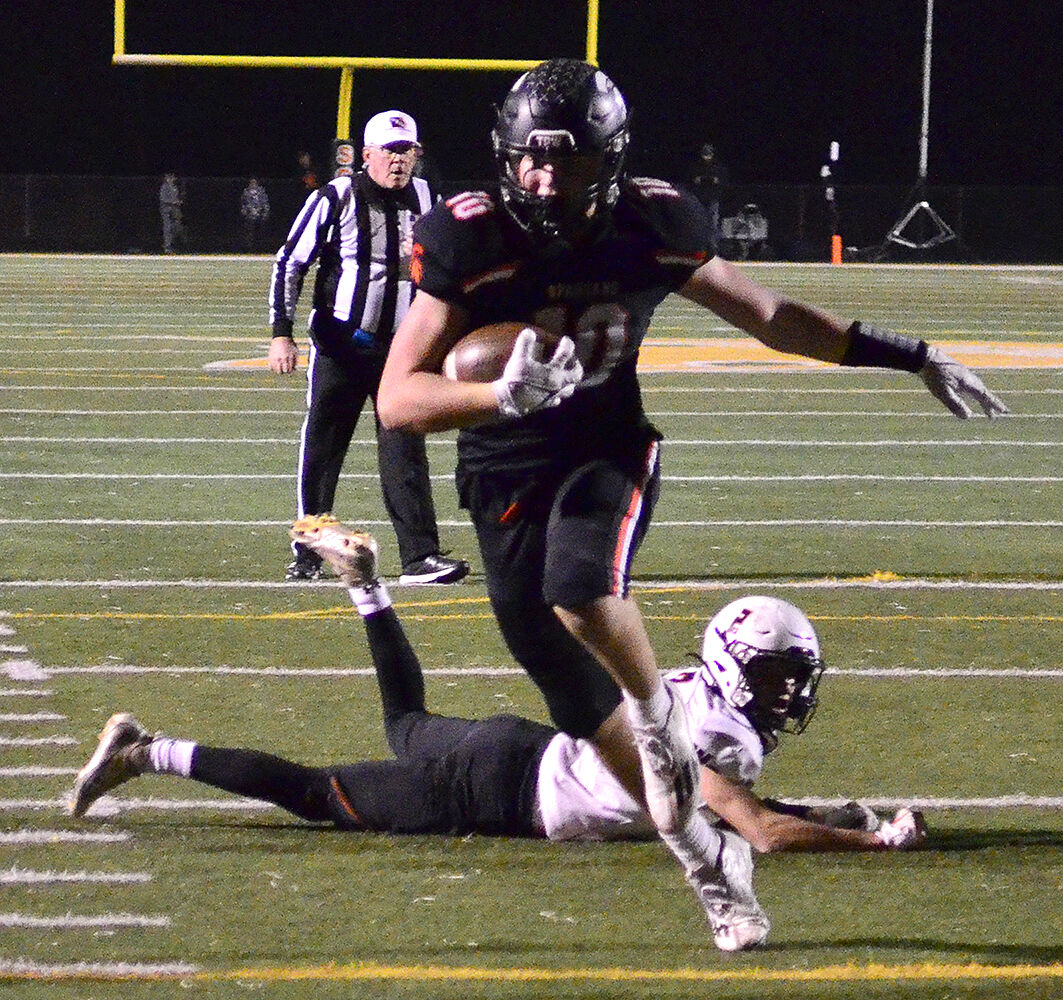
<point>528,384</point>
<point>949,381</point>
<point>906,829</point>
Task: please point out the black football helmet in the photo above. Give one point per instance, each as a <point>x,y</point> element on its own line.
<point>562,107</point>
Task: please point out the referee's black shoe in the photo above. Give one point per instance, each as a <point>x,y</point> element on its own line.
<point>435,569</point>
<point>305,566</point>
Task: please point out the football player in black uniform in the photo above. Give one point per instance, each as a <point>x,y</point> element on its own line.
<point>510,776</point>
<point>557,461</point>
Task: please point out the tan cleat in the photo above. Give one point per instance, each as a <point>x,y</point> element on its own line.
<point>352,554</point>
<point>120,755</point>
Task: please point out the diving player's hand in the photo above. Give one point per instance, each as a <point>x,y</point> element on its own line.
<point>283,355</point>
<point>949,382</point>
<point>906,830</point>
<point>528,384</point>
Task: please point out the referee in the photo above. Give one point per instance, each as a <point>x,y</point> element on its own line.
<point>358,228</point>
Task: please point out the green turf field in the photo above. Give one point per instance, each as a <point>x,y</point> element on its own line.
<point>144,493</point>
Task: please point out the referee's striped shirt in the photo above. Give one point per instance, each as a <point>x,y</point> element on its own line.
<point>362,236</point>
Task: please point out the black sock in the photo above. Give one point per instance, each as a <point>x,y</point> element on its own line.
<point>299,789</point>
<point>398,671</point>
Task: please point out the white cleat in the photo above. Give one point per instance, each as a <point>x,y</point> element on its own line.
<point>120,755</point>
<point>725,891</point>
<point>352,554</point>
<point>670,770</point>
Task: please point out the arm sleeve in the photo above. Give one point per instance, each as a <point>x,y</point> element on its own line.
<point>295,257</point>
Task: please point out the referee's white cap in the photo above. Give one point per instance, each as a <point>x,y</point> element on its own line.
<point>390,126</point>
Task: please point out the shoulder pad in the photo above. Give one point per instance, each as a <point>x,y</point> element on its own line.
<point>653,187</point>
<point>470,204</point>
<point>677,222</point>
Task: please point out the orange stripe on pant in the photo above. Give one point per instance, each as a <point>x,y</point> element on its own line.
<point>630,522</point>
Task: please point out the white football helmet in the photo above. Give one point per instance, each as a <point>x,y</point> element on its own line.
<point>764,656</point>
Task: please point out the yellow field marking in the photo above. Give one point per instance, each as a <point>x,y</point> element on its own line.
<point>342,611</point>
<point>835,973</point>
<point>371,972</point>
<point>702,355</point>
<point>678,355</point>
<point>345,612</point>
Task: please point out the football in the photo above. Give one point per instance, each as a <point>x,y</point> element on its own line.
<point>481,355</point>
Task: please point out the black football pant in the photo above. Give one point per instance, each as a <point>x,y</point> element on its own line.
<point>336,393</point>
<point>567,543</point>
<point>451,775</point>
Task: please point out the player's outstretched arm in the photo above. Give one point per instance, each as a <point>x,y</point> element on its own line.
<point>771,831</point>
<point>794,327</point>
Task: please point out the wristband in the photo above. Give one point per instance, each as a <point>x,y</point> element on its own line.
<point>873,347</point>
<point>283,328</point>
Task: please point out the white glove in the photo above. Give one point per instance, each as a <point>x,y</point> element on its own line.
<point>949,381</point>
<point>528,384</point>
<point>906,829</point>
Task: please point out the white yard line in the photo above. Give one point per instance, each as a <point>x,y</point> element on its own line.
<point>932,802</point>
<point>872,414</point>
<point>38,772</point>
<point>114,805</point>
<point>450,442</point>
<point>9,837</point>
<point>128,669</point>
<point>26,968</point>
<point>31,717</point>
<point>27,411</point>
<point>23,670</point>
<point>27,876</point>
<point>862,583</point>
<point>74,920</point>
<point>109,805</point>
<point>297,388</point>
<point>449,477</point>
<point>782,522</point>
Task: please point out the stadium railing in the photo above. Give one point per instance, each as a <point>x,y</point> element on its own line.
<point>55,213</point>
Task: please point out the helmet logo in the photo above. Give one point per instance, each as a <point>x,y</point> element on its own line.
<point>552,140</point>
<point>733,627</point>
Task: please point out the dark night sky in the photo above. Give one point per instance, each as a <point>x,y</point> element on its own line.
<point>771,82</point>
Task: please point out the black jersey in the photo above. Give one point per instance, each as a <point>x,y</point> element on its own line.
<point>468,251</point>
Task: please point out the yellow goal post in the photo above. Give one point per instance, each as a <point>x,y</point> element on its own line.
<point>345,64</point>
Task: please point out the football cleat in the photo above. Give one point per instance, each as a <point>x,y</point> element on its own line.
<point>121,754</point>
<point>725,891</point>
<point>670,770</point>
<point>351,554</point>
<point>435,569</point>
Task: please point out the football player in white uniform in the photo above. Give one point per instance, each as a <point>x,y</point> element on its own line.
<point>506,775</point>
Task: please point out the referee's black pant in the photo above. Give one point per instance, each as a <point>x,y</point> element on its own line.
<point>336,393</point>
